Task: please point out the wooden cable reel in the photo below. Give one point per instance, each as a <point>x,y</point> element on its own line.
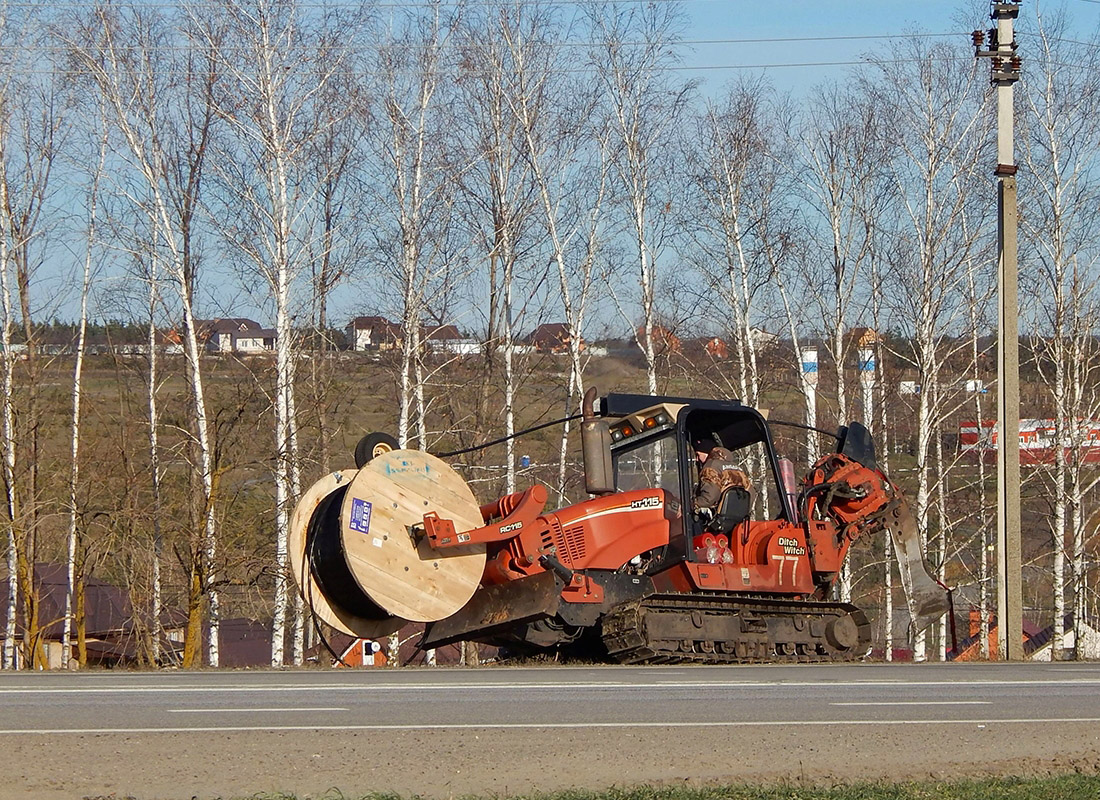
<point>357,553</point>
<point>310,525</point>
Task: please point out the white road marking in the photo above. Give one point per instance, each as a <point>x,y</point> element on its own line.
<point>799,723</point>
<point>244,710</point>
<point>915,703</point>
<point>548,686</point>
<point>1071,669</point>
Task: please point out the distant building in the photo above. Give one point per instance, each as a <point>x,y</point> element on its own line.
<point>553,337</point>
<point>970,648</point>
<point>235,335</point>
<point>762,338</point>
<point>665,342</point>
<point>1040,646</point>
<point>448,339</point>
<point>1038,440</point>
<point>112,637</point>
<point>863,337</point>
<point>374,333</point>
<point>355,652</point>
<point>362,653</point>
<point>716,348</point>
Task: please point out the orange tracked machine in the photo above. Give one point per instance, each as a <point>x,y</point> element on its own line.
<point>635,574</point>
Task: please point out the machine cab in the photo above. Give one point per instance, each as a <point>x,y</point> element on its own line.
<point>654,446</point>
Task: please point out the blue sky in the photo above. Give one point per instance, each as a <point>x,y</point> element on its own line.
<point>716,51</point>
<point>726,20</point>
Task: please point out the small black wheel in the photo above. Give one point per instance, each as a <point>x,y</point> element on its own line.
<point>373,445</point>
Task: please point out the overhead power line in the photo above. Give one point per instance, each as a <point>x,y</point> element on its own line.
<point>319,5</point>
<point>682,68</point>
<point>678,43</point>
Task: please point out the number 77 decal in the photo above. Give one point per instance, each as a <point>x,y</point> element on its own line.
<point>793,561</point>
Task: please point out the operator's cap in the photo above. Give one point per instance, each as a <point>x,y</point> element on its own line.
<point>704,444</point>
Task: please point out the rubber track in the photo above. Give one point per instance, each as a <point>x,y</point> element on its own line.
<point>625,630</point>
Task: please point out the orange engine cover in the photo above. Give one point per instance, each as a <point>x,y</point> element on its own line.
<point>604,533</point>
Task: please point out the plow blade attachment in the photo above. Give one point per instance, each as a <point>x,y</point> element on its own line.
<point>496,608</point>
<point>926,597</point>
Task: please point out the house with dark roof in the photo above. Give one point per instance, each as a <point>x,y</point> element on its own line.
<point>553,337</point>
<point>970,648</point>
<point>448,339</point>
<point>112,634</point>
<point>374,333</point>
<point>235,335</point>
<point>1040,647</point>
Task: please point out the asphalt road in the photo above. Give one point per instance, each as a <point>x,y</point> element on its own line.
<point>449,731</point>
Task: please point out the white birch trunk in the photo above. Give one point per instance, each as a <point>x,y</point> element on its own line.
<point>509,385</point>
<point>74,441</point>
<point>8,431</point>
<point>941,540</point>
<point>393,649</point>
<point>421,402</point>
<point>142,133</point>
<point>154,467</point>
<point>206,476</point>
<point>1062,422</point>
<point>923,499</point>
<point>884,465</point>
<point>648,280</point>
<point>282,461</point>
<point>574,312</point>
<point>405,389</point>
<point>294,472</point>
<point>1078,568</point>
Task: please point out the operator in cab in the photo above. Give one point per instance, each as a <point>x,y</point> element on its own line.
<point>716,474</point>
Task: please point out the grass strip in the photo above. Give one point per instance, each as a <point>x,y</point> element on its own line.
<point>1065,787</point>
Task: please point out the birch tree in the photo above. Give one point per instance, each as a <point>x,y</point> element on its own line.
<point>276,59</point>
<point>410,147</point>
<point>565,141</point>
<point>844,150</point>
<point>7,431</point>
<point>732,179</point>
<point>498,189</point>
<point>634,47</point>
<point>33,115</point>
<point>1059,234</point>
<point>939,128</point>
<point>152,408</point>
<point>73,538</point>
<point>740,228</point>
<point>155,84</point>
<point>340,239</point>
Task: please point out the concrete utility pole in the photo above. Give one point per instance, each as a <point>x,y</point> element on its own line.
<point>1000,48</point>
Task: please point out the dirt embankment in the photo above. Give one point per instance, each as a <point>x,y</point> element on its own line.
<point>451,763</point>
